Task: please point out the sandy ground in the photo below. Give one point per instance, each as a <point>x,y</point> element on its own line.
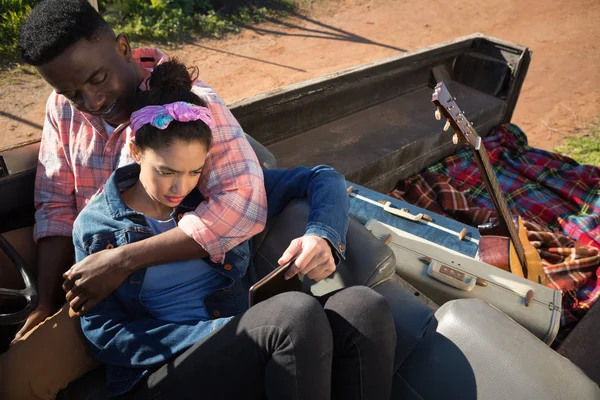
<point>559,98</point>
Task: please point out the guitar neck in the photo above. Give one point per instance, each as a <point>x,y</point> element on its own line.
<point>489,178</point>
<point>445,102</point>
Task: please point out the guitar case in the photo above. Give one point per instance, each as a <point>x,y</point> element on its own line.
<point>431,256</point>
<point>366,204</point>
<point>443,274</point>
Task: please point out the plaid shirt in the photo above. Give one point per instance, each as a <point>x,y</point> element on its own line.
<point>77,157</point>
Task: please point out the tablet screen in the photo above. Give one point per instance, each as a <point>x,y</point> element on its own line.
<point>273,284</point>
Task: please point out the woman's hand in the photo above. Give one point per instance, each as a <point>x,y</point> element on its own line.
<point>315,258</point>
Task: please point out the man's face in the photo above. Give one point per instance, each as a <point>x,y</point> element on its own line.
<point>98,77</point>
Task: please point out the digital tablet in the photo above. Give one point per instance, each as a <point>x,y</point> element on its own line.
<point>273,284</point>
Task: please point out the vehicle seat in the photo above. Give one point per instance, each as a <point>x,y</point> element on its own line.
<point>469,349</point>
<point>465,350</point>
<point>265,157</point>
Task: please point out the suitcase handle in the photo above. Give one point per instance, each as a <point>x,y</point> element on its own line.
<point>451,276</point>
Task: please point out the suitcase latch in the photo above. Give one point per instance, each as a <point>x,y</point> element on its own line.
<point>404,213</point>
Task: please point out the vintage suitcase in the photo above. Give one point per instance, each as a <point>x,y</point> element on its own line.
<point>443,274</point>
<point>366,204</point>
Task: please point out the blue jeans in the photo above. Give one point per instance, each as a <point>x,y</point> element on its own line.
<point>288,347</point>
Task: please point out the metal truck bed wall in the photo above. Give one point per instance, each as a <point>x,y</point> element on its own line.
<point>374,123</point>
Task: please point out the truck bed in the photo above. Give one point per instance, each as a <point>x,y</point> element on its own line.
<point>373,145</point>
<point>374,123</point>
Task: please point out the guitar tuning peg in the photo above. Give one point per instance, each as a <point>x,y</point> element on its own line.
<point>447,125</point>
<point>455,138</point>
<point>438,113</point>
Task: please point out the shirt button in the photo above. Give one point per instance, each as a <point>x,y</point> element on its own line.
<point>216,313</point>
<point>109,149</point>
<point>179,216</point>
<point>227,267</point>
<point>110,246</point>
<point>341,248</point>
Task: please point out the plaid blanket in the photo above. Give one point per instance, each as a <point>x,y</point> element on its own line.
<point>558,199</point>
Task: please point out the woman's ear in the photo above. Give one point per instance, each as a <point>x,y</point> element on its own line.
<point>136,153</point>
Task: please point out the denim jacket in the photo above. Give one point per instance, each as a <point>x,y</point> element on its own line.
<point>124,334</point>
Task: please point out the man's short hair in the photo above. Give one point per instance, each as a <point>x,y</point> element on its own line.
<point>54,25</point>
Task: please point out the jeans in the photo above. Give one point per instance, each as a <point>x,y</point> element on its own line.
<point>288,347</point>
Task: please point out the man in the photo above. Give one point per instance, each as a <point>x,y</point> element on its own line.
<point>95,75</point>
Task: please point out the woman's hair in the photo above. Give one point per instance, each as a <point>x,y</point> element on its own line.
<point>171,82</point>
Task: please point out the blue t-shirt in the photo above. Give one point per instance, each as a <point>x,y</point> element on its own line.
<point>175,292</point>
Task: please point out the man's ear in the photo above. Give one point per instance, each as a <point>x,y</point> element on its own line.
<point>124,46</point>
<point>135,151</point>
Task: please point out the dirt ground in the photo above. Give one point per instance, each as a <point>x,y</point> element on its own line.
<point>560,95</point>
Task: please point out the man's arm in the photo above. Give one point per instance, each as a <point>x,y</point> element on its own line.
<point>56,256</point>
<point>101,273</point>
<point>117,339</point>
<point>56,211</point>
<point>235,210</point>
<point>232,182</point>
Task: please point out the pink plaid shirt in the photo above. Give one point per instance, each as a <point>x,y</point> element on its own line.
<point>77,157</point>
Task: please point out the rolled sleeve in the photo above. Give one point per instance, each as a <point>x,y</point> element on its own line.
<point>337,244</point>
<point>232,183</point>
<point>54,183</point>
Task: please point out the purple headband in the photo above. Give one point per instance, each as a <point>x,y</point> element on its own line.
<point>161,116</point>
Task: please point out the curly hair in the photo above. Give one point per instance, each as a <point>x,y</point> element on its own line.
<point>54,25</point>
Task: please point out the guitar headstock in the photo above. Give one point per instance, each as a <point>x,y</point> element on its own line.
<point>446,105</point>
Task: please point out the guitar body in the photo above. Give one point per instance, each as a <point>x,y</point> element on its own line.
<point>495,250</point>
<point>535,270</point>
<point>500,252</point>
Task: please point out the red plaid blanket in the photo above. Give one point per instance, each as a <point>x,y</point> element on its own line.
<point>558,199</point>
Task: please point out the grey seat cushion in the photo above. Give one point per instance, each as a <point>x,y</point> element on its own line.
<point>472,350</point>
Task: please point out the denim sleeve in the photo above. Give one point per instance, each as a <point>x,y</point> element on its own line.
<point>327,199</point>
<point>117,339</point>
<point>80,253</point>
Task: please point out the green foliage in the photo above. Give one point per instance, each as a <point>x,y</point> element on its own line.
<point>177,20</point>
<point>585,149</point>
<point>154,20</point>
<point>12,14</point>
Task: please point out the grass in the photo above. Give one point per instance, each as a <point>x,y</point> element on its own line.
<point>585,148</point>
<point>168,25</point>
<point>163,22</point>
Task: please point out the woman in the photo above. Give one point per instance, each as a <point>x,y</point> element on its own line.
<point>183,330</point>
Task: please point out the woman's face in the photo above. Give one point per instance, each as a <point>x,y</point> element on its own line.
<point>170,173</point>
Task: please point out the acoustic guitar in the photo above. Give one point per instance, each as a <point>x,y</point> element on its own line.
<point>511,250</point>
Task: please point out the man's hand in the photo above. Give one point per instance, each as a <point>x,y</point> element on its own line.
<point>41,312</point>
<point>315,259</point>
<point>96,276</point>
<point>90,281</point>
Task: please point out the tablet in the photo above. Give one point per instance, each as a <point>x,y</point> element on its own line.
<point>273,284</point>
